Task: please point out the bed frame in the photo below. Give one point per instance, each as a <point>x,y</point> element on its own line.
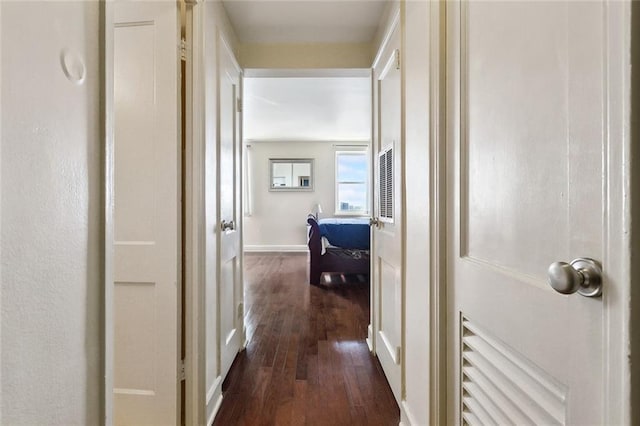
<point>335,259</point>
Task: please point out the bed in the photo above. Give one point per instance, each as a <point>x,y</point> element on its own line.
<point>338,245</point>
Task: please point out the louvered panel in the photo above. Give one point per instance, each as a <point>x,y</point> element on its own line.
<point>528,383</point>
<point>470,419</point>
<point>520,387</point>
<point>389,184</point>
<point>501,381</point>
<point>483,398</point>
<point>533,413</point>
<point>546,382</point>
<point>501,401</point>
<point>478,411</point>
<point>383,186</point>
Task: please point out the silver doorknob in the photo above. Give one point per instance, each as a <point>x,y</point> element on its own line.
<point>227,226</point>
<point>582,275</point>
<point>374,221</point>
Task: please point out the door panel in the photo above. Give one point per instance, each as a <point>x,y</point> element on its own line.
<point>390,290</point>
<point>146,218</point>
<point>231,333</point>
<point>526,190</point>
<point>387,234</point>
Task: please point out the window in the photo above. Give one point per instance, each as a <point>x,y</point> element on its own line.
<point>352,182</point>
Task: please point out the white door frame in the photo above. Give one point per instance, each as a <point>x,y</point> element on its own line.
<point>195,356</point>
<point>195,226</point>
<point>617,298</point>
<point>109,183</point>
<point>617,286</point>
<point>437,216</point>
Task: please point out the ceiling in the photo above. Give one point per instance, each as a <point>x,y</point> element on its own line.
<point>305,21</point>
<point>307,109</point>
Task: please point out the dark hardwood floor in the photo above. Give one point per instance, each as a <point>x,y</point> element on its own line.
<point>307,362</point>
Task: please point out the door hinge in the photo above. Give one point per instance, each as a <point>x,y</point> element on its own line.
<point>239,104</point>
<point>397,59</point>
<point>183,374</point>
<point>240,310</point>
<point>183,49</point>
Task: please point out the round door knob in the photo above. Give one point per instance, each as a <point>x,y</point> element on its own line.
<point>227,226</point>
<point>582,275</point>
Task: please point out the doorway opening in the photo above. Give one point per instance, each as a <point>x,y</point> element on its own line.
<point>307,160</point>
<point>298,330</point>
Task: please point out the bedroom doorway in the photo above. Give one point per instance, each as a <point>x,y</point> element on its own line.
<point>321,118</point>
<point>296,116</point>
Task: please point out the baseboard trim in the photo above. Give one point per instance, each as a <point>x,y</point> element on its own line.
<point>215,389</point>
<point>406,418</point>
<point>301,248</point>
<point>215,410</point>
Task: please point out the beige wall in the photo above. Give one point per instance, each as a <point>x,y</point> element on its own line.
<point>50,214</point>
<point>305,55</point>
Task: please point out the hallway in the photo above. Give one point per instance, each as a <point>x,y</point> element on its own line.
<point>306,361</point>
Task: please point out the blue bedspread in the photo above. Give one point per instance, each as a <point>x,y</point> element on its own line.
<point>346,232</point>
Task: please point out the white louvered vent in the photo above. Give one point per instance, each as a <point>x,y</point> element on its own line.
<point>500,386</point>
<point>386,184</point>
<point>383,180</point>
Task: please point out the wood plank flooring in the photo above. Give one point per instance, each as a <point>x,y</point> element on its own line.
<point>307,362</point>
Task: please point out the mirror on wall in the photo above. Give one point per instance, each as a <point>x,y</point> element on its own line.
<point>291,174</point>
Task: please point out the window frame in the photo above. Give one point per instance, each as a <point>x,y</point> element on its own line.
<point>364,151</point>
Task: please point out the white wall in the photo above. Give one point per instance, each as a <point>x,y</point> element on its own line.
<point>278,219</point>
<point>50,214</point>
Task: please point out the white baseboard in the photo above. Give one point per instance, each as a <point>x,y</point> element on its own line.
<point>214,390</point>
<point>215,410</point>
<point>301,248</point>
<point>369,339</point>
<point>406,418</point>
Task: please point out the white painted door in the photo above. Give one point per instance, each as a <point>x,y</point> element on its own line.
<point>527,145</point>
<point>230,296</point>
<point>146,218</point>
<point>386,256</point>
